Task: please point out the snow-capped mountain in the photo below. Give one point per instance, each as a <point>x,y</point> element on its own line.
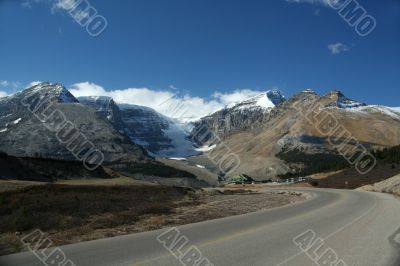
<point>158,134</point>
<point>28,120</point>
<point>242,116</point>
<point>13,108</point>
<point>341,101</point>
<point>336,99</point>
<point>167,137</point>
<point>51,91</point>
<point>375,109</point>
<point>256,131</point>
<point>262,102</point>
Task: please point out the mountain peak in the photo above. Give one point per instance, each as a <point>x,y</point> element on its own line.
<point>53,91</point>
<point>338,99</point>
<point>305,96</point>
<point>276,96</point>
<point>335,93</point>
<point>309,91</point>
<point>265,101</point>
<point>100,100</point>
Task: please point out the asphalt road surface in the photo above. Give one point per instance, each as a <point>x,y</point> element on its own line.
<point>334,227</point>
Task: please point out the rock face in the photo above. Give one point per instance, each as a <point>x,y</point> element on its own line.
<point>244,116</point>
<point>159,135</point>
<point>146,127</point>
<point>49,122</point>
<point>105,107</point>
<point>306,122</point>
<point>339,100</point>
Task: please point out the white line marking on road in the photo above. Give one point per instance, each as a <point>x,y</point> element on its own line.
<point>332,234</point>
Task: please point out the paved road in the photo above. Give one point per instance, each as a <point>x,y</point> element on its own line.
<point>360,228</point>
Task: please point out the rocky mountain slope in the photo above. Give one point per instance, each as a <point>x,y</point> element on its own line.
<point>247,115</point>
<point>158,134</point>
<point>43,121</point>
<point>306,122</point>
<point>45,133</point>
<point>258,130</point>
<point>105,107</point>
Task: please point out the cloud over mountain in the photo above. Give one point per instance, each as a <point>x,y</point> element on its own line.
<point>170,103</point>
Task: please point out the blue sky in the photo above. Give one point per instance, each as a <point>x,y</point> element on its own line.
<point>202,47</point>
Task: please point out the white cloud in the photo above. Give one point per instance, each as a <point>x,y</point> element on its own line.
<point>139,96</point>
<point>56,6</point>
<point>33,83</point>
<point>236,96</point>
<point>64,4</point>
<point>79,14</point>
<point>169,103</point>
<point>337,48</point>
<point>3,94</point>
<point>30,3</point>
<point>318,2</point>
<point>12,85</point>
<point>3,83</point>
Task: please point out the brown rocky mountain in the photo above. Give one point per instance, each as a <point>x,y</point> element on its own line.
<point>307,123</point>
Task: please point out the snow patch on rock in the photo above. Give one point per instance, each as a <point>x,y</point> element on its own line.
<point>264,101</point>
<point>16,121</point>
<point>206,148</point>
<point>393,112</point>
<point>178,158</point>
<point>182,146</point>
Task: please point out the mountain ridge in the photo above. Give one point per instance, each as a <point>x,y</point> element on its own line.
<point>158,134</point>
<point>256,129</point>
<point>288,126</point>
<point>30,120</point>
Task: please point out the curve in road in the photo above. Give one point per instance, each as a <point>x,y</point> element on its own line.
<point>337,226</point>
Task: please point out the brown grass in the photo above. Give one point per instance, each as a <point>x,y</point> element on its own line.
<point>74,213</point>
<point>54,207</point>
<point>58,208</point>
<point>351,179</point>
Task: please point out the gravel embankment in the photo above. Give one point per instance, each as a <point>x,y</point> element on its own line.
<point>391,185</point>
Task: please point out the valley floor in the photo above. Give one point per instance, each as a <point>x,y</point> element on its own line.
<point>75,211</point>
